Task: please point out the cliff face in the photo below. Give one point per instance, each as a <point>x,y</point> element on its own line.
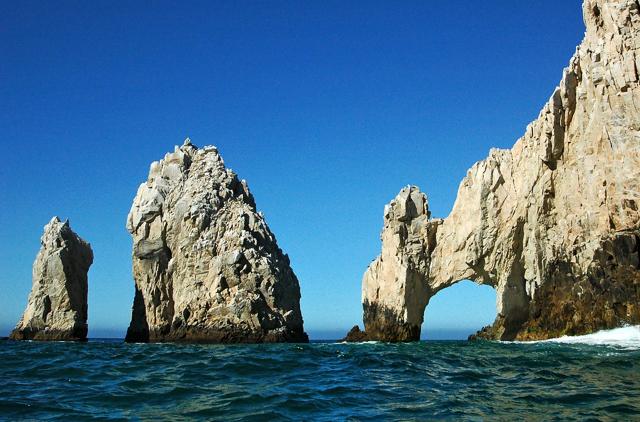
<point>552,224</point>
<point>206,266</point>
<point>57,305</point>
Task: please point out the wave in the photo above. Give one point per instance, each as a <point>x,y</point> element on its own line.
<point>627,337</point>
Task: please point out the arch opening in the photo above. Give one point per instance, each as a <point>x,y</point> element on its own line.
<point>458,311</point>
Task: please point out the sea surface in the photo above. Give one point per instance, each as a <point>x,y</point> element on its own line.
<point>594,377</point>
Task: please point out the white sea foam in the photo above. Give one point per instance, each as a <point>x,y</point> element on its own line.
<point>628,337</point>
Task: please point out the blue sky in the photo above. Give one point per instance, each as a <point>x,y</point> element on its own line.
<point>326,108</point>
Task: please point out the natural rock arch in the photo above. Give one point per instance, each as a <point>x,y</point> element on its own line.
<point>553,223</point>
<point>399,284</point>
<point>458,311</point>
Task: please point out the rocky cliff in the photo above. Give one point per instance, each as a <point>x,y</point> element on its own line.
<point>57,305</point>
<point>552,224</point>
<point>206,266</point>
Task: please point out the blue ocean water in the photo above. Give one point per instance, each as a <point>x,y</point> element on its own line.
<point>111,380</point>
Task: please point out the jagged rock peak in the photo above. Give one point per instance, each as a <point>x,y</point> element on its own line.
<point>206,266</point>
<point>553,223</point>
<point>409,204</point>
<point>57,305</point>
<point>408,237</point>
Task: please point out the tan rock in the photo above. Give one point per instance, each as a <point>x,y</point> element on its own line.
<point>394,289</point>
<point>206,266</point>
<point>57,305</point>
<point>552,224</point>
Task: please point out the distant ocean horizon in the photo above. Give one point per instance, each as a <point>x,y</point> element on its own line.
<point>315,335</point>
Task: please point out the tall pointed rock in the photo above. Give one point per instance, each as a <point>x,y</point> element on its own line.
<point>206,266</point>
<point>57,305</point>
<point>394,289</point>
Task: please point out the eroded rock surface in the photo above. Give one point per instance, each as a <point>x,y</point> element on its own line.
<point>206,266</point>
<point>394,288</point>
<point>57,305</point>
<point>552,224</point>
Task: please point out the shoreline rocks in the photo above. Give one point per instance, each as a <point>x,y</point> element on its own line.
<point>207,268</point>
<point>57,305</point>
<point>553,224</point>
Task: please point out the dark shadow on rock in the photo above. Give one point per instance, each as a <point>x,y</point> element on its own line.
<point>138,331</point>
<point>383,324</point>
<point>355,335</point>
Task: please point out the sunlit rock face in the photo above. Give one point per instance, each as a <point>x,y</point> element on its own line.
<point>394,291</point>
<point>552,223</point>
<point>57,304</point>
<point>206,266</point>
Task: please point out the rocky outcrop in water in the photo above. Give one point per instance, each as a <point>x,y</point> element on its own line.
<point>394,289</point>
<point>57,305</point>
<point>553,223</point>
<point>355,335</point>
<point>206,266</point>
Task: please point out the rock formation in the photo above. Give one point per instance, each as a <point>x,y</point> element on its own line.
<point>355,335</point>
<point>57,306</point>
<point>206,266</point>
<point>552,224</point>
<point>394,290</point>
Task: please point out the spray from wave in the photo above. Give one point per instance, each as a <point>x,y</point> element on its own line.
<point>627,337</point>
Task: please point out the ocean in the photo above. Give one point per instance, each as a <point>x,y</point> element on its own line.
<point>589,377</point>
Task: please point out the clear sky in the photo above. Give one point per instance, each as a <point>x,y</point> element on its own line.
<point>326,108</point>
